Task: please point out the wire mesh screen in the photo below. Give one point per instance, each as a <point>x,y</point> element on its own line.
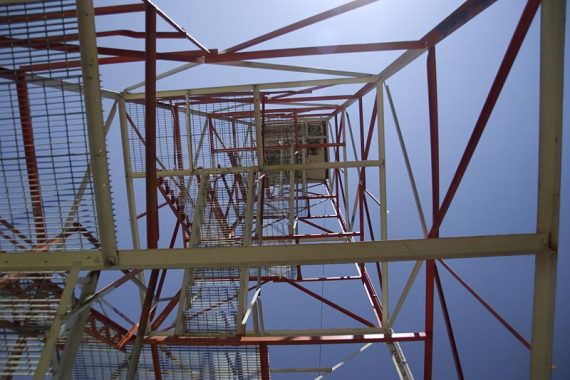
<point>223,218</point>
<point>209,363</point>
<point>46,191</point>
<point>212,301</point>
<point>28,304</point>
<point>278,192</point>
<point>223,131</point>
<point>95,361</point>
<point>171,136</point>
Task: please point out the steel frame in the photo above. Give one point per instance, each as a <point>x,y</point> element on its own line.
<point>295,100</point>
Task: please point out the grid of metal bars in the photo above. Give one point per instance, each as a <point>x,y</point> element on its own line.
<point>223,130</point>
<point>39,210</point>
<point>28,304</point>
<point>46,192</point>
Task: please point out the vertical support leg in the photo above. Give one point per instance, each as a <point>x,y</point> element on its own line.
<point>244,271</point>
<point>94,115</point>
<point>448,326</point>
<point>64,305</point>
<point>156,362</point>
<point>264,354</point>
<point>433,133</point>
<point>131,201</point>
<point>383,195</point>
<point>152,227</point>
<point>550,139</point>
<point>428,349</point>
<point>258,125</point>
<point>343,126</point>
<point>30,155</point>
<point>362,174</point>
<point>76,334</point>
<point>292,192</point>
<point>189,132</point>
<point>434,233</point>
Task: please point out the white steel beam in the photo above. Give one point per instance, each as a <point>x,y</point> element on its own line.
<point>51,339</point>
<point>131,198</point>
<point>94,117</point>
<point>301,254</point>
<point>75,335</point>
<point>258,127</point>
<point>418,264</point>
<point>344,126</point>
<point>249,87</point>
<point>383,196</point>
<point>300,69</point>
<point>269,168</point>
<point>552,26</point>
<point>244,271</point>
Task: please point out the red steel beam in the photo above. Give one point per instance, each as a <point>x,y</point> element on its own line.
<point>330,303</point>
<point>285,340</point>
<point>302,51</point>
<point>467,11</point>
<point>14,356</point>
<point>434,131</point>
<point>14,242</point>
<point>16,231</point>
<point>156,323</point>
<point>151,179</point>
<point>310,98</point>
<point>370,292</point>
<point>300,24</point>
<point>156,362</point>
<point>428,349</point>
<point>496,88</point>
<point>173,208</point>
<point>150,129</point>
<point>122,55</point>
<point>462,15</point>
<point>362,176</point>
<point>448,326</point>
<point>30,156</point>
<point>264,359</point>
<point>434,151</point>
<point>487,306</point>
<point>160,286</point>
<point>175,25</point>
<point>324,229</point>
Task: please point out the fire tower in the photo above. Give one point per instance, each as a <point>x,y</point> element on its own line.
<point>229,190</point>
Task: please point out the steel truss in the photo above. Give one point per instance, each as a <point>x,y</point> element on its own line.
<point>259,181</point>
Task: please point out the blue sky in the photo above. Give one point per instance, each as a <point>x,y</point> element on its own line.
<point>497,195</point>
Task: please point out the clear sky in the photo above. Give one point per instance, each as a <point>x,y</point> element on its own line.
<point>497,195</point>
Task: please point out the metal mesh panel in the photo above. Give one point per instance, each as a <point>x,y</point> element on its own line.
<point>223,131</point>
<point>171,136</point>
<point>213,302</point>
<point>209,363</point>
<point>28,304</point>
<point>98,361</point>
<point>223,218</point>
<point>46,192</point>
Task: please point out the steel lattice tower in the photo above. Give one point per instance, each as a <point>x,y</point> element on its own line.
<point>229,189</point>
